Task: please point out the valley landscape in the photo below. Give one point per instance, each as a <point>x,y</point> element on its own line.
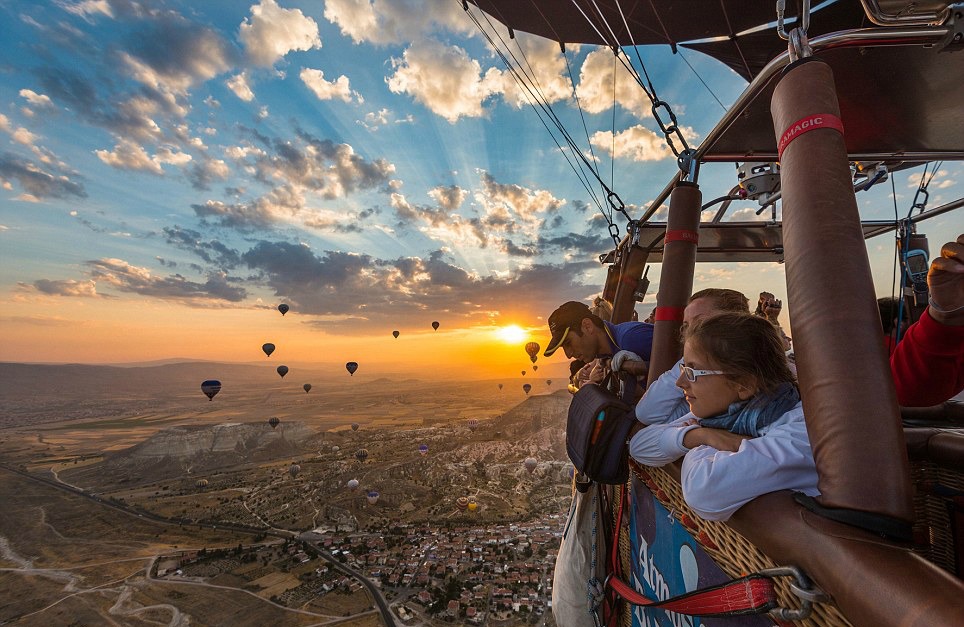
<point>128,496</point>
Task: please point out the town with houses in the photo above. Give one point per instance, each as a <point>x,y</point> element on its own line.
<point>428,572</point>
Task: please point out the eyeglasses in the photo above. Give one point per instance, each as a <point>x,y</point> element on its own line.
<point>692,375</point>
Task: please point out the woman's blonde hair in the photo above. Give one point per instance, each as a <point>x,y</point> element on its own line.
<point>745,346</point>
<point>602,308</point>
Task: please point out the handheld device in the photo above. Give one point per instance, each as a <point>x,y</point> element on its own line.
<point>915,264</point>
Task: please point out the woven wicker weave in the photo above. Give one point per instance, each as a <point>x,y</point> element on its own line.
<point>933,534</point>
<point>730,550</point>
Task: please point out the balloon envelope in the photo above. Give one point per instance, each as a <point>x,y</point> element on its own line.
<point>423,449</point>
<point>273,421</point>
<point>372,497</point>
<point>210,388</point>
<point>283,308</point>
<point>473,506</point>
<point>530,463</point>
<point>526,388</point>
<point>282,370</point>
<point>473,424</point>
<point>361,454</point>
<point>435,325</point>
<point>354,426</point>
<point>395,333</point>
<point>523,373</point>
<point>335,449</point>
<point>500,386</point>
<point>353,484</point>
<point>294,470</point>
<point>268,348</point>
<point>548,382</point>
<point>533,349</point>
<point>351,367</point>
<point>534,368</point>
<point>202,483</point>
<point>462,502</point>
<point>307,387</point>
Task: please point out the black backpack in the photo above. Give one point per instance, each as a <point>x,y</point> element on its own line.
<point>597,428</point>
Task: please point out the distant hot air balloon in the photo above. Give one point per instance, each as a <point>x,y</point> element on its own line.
<point>307,387</point>
<point>273,421</point>
<point>268,348</point>
<point>423,449</point>
<point>435,325</point>
<point>526,388</point>
<point>293,470</point>
<point>523,373</point>
<point>462,502</point>
<point>351,367</point>
<point>534,368</point>
<point>335,449</point>
<point>211,387</point>
<point>500,386</point>
<point>473,424</point>
<point>354,426</point>
<point>548,382</point>
<point>533,349</point>
<point>202,483</point>
<point>352,484</point>
<point>530,463</point>
<point>473,507</point>
<point>372,497</point>
<point>361,454</point>
<point>395,333</point>
<point>283,308</point>
<point>282,370</point>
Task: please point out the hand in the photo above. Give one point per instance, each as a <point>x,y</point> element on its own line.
<point>720,439</point>
<point>772,309</point>
<point>621,357</point>
<point>945,279</point>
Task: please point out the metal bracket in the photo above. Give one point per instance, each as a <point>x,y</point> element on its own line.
<point>802,588</point>
<point>955,35</point>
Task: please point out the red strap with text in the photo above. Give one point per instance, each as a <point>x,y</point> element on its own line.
<point>753,594</point>
<point>681,235</point>
<point>805,125</point>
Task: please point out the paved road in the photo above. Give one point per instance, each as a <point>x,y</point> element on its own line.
<point>380,601</point>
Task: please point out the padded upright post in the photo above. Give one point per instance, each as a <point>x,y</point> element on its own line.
<point>634,262</point>
<point>848,394</point>
<point>675,275</point>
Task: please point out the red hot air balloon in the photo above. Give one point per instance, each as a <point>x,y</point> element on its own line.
<point>282,370</point>
<point>283,308</point>
<point>395,334</point>
<point>527,388</point>
<point>211,387</point>
<point>351,367</point>
<point>307,387</point>
<point>435,325</point>
<point>268,348</point>
<point>274,422</point>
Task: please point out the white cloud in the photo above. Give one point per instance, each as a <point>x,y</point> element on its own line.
<point>444,79</point>
<point>545,67</point>
<point>38,100</point>
<point>396,21</point>
<point>24,137</point>
<point>128,155</point>
<point>328,90</point>
<point>273,32</point>
<point>239,85</point>
<point>87,8</point>
<point>5,124</point>
<point>637,143</point>
<point>595,89</point>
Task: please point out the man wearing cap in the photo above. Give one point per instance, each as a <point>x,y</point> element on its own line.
<point>583,335</point>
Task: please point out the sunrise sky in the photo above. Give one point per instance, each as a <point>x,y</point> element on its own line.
<point>171,171</point>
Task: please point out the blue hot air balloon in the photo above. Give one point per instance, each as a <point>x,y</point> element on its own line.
<point>526,388</point>
<point>423,449</point>
<point>372,497</point>
<point>211,387</point>
<point>351,367</point>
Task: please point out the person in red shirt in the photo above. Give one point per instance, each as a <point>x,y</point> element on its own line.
<point>928,362</point>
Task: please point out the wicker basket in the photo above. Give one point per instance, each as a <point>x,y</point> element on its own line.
<point>933,531</point>
<point>730,550</point>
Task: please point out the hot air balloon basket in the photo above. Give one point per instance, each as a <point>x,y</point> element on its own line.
<point>734,554</point>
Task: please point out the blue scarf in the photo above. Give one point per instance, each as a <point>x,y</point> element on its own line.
<point>749,417</point>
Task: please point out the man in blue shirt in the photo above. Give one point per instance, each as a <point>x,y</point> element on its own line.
<point>585,336</point>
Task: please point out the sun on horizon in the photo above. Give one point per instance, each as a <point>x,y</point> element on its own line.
<point>511,334</point>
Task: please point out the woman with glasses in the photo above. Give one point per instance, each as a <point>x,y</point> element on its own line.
<point>744,435</point>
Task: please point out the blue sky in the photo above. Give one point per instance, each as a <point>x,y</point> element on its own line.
<point>194,163</point>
